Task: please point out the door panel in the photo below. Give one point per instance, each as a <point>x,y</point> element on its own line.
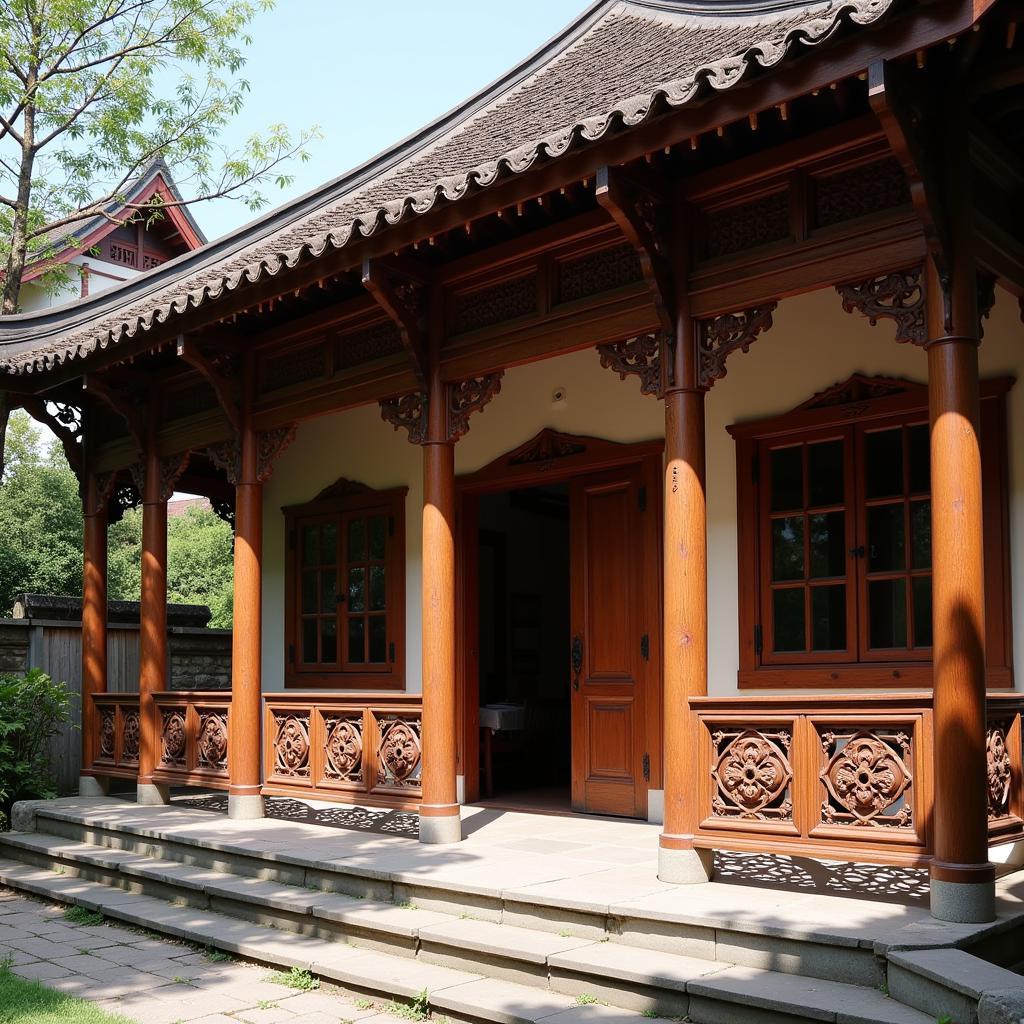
<point>609,617</point>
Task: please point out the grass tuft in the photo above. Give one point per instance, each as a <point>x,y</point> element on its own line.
<point>297,977</point>
<point>80,915</point>
<point>418,1009</point>
<point>585,999</point>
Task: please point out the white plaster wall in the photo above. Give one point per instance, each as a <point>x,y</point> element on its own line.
<point>34,298</point>
<point>812,345</point>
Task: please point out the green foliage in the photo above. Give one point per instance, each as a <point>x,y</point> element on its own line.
<point>32,709</point>
<point>216,956</point>
<point>84,916</point>
<point>91,91</point>
<point>418,1009</point>
<point>297,977</point>
<point>29,1002</point>
<point>585,999</point>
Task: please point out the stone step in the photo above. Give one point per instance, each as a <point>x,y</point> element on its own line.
<point>674,921</point>
<point>579,975</point>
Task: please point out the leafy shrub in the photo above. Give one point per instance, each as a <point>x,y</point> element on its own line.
<point>32,710</point>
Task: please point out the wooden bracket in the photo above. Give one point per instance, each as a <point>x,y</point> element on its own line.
<point>462,399</point>
<point>912,123</point>
<point>403,293</point>
<point>66,423</point>
<point>640,205</point>
<point>128,409</point>
<point>224,386</point>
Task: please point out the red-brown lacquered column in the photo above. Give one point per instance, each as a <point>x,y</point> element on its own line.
<point>152,623</point>
<point>244,799</point>
<point>686,601</point>
<point>440,820</point>
<point>962,879</point>
<point>94,630</point>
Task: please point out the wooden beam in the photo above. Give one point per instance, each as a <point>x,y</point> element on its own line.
<point>225,387</point>
<point>129,410</point>
<point>403,293</point>
<point>640,203</point>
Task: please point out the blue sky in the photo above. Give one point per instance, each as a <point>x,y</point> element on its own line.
<point>371,73</point>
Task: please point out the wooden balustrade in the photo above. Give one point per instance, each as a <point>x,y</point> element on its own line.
<point>193,739</point>
<point>119,734</point>
<point>349,747</point>
<point>846,777</point>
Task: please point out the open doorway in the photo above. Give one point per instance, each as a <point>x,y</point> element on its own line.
<point>524,630</point>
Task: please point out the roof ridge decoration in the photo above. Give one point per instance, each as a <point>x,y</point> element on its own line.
<point>413,184</point>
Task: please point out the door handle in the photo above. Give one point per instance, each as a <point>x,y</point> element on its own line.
<point>577,660</point>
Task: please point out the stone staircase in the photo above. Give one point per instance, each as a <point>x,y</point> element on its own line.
<point>483,955</point>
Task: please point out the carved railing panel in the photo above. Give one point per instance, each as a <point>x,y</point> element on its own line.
<point>118,734</point>
<point>751,773</point>
<point>193,739</point>
<point>349,747</point>
<point>1004,761</point>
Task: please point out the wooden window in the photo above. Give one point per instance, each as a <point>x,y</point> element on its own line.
<point>835,539</point>
<point>345,588</point>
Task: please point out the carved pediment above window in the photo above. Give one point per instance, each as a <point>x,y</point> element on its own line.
<point>545,448</point>
<point>858,389</point>
<point>720,336</point>
<point>897,296</point>
<point>342,488</point>
<point>639,356</point>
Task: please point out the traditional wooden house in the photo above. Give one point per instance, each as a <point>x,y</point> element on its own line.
<point>627,426</point>
<point>114,245</point>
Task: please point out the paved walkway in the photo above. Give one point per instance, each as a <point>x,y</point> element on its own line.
<point>155,980</point>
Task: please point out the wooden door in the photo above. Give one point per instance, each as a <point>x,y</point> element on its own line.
<point>611,646</point>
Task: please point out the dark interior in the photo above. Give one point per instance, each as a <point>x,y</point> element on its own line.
<point>524,646</point>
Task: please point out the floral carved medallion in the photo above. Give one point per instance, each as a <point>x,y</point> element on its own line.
<point>212,746</point>
<point>344,749</point>
<point>291,746</point>
<point>107,733</point>
<point>173,739</point>
<point>866,779</point>
<point>1000,770</point>
<point>130,733</point>
<point>398,756</point>
<point>752,774</point>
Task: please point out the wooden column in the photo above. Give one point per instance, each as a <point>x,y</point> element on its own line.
<point>962,880</point>
<point>440,819</point>
<point>244,746</point>
<point>94,628</point>
<point>686,598</point>
<point>152,621</point>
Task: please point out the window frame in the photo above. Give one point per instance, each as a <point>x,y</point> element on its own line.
<point>831,414</point>
<point>340,503</point>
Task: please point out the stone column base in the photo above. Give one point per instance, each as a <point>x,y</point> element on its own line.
<point>149,794</point>
<point>963,902</point>
<point>440,831</point>
<point>245,807</point>
<point>685,867</point>
<point>91,785</point>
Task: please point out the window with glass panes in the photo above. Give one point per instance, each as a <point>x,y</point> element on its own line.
<point>835,542</point>
<point>345,584</point>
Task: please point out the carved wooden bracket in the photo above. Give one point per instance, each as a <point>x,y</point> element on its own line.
<point>640,356</point>
<point>462,397</point>
<point>404,296</point>
<point>468,396</point>
<point>225,385</point>
<point>106,485</point>
<point>227,457</point>
<point>899,296</point>
<point>986,299</point>
<point>127,407</point>
<point>720,336</point>
<point>640,206</point>
<point>66,422</point>
<point>171,468</point>
<point>269,445</point>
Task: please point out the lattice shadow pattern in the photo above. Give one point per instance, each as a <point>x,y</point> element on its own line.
<point>354,819</point>
<point>907,886</point>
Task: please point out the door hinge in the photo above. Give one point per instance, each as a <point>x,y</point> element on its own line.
<point>755,470</point>
<point>758,640</point>
<point>647,767</point>
<point>645,647</point>
<point>641,498</point>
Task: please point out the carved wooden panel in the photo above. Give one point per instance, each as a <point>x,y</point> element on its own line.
<point>293,367</point>
<point>364,346</point>
<point>867,777</point>
<point>485,307</point>
<point>292,745</point>
<point>751,771</point>
<point>131,734</point>
<point>859,192</point>
<point>399,753</point>
<point>343,748</point>
<point>598,272</point>
<point>108,732</point>
<point>999,768</point>
<point>190,401</point>
<point>172,739</point>
<point>761,221</point>
<point>212,741</point>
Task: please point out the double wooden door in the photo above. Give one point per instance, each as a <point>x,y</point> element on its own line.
<point>614,649</point>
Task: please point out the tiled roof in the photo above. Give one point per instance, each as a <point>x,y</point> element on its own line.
<point>621,62</point>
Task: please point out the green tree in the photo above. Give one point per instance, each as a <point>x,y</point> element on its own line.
<point>91,91</point>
